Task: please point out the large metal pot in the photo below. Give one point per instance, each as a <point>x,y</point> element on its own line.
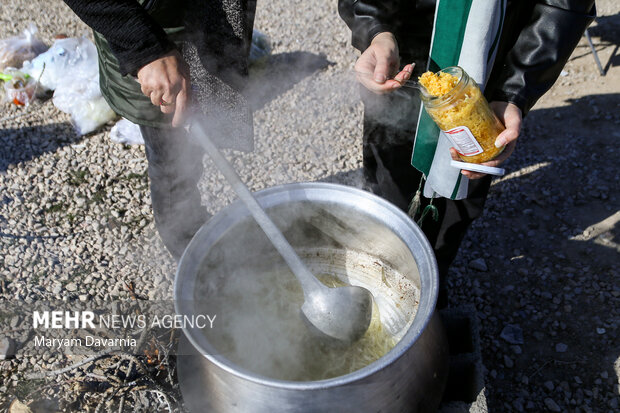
<point>409,378</point>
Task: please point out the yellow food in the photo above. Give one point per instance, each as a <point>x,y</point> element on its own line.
<point>371,347</point>
<point>463,106</point>
<point>438,84</point>
<point>260,328</point>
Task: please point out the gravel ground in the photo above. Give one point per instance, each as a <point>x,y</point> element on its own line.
<point>541,265</point>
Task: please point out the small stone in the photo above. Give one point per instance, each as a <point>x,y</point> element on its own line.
<point>83,297</point>
<point>604,375</point>
<point>512,333</point>
<point>18,407</point>
<point>508,362</point>
<point>152,294</point>
<point>600,331</point>
<point>71,287</point>
<point>518,405</point>
<point>561,348</point>
<point>7,348</point>
<point>549,385</point>
<point>479,264</point>
<point>552,405</point>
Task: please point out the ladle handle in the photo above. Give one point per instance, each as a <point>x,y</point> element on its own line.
<point>308,282</point>
<point>407,83</point>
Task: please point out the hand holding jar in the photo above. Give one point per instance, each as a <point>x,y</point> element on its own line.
<point>510,115</point>
<point>475,129</point>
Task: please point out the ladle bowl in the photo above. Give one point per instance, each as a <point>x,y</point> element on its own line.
<point>341,313</point>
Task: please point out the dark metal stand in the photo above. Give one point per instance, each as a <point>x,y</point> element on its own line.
<point>596,59</point>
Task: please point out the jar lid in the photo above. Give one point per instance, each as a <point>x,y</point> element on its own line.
<point>478,168</point>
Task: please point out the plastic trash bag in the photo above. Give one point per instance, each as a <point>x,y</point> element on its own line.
<point>126,132</point>
<point>14,51</point>
<point>260,48</point>
<point>83,101</point>
<point>70,68</point>
<point>19,87</point>
<point>66,60</point>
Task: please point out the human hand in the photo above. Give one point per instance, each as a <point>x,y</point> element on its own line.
<point>166,82</point>
<point>510,115</point>
<point>379,62</point>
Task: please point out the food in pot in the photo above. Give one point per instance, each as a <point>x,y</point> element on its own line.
<point>260,327</point>
<point>460,109</point>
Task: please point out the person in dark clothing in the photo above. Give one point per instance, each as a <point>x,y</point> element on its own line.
<point>159,58</point>
<point>536,40</point>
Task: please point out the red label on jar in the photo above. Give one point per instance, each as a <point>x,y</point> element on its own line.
<point>463,141</point>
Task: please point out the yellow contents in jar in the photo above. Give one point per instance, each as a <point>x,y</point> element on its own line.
<point>462,106</point>
<point>438,84</point>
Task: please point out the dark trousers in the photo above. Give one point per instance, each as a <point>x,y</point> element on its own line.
<point>174,168</point>
<point>389,130</point>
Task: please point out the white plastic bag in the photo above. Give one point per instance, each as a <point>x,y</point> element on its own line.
<point>83,101</point>
<point>15,50</point>
<point>126,132</point>
<point>67,59</point>
<point>70,68</point>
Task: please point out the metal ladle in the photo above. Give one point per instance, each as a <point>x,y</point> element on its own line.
<point>406,84</point>
<point>341,313</point>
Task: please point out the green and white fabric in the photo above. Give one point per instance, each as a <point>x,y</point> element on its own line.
<point>466,34</point>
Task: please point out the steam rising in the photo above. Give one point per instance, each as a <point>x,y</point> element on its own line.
<point>258,300</point>
<point>304,142</point>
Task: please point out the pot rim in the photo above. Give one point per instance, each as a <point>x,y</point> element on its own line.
<point>403,226</point>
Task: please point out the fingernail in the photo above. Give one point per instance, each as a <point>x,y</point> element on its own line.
<point>499,143</point>
<point>380,78</point>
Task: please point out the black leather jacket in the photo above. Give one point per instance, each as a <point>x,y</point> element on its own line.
<point>537,39</point>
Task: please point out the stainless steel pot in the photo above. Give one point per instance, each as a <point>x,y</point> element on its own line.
<point>409,378</point>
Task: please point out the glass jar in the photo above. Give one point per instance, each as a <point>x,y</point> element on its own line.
<point>464,115</point>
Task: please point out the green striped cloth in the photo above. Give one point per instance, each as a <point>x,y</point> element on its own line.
<point>466,34</point>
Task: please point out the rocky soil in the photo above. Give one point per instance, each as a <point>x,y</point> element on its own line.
<point>541,266</point>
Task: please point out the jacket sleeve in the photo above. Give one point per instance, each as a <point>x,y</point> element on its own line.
<point>541,50</point>
<point>367,18</point>
<point>134,37</point>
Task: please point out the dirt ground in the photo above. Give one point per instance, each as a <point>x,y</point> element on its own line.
<point>550,240</point>
<point>541,266</point>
